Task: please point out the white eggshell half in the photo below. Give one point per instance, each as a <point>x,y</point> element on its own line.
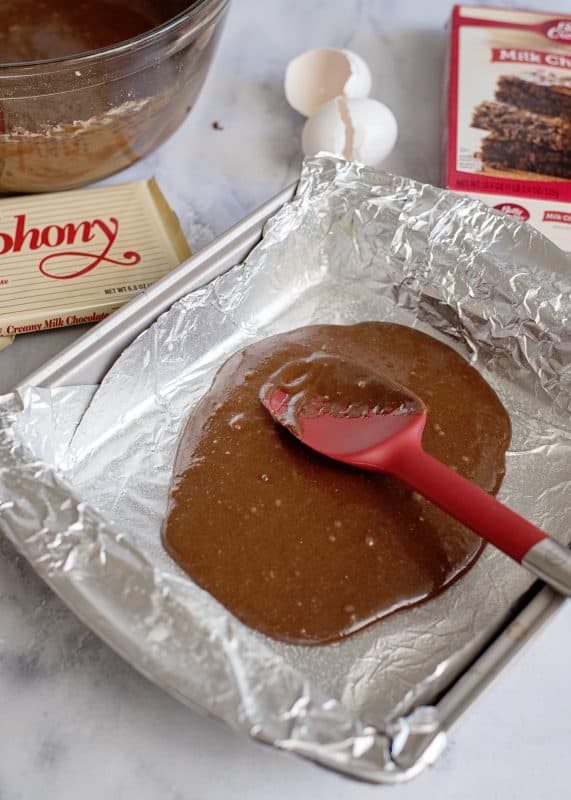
<point>359,129</point>
<point>317,76</point>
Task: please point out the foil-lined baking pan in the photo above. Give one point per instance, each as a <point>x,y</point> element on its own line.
<point>84,470</point>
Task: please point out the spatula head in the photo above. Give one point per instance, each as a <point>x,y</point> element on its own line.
<point>339,408</point>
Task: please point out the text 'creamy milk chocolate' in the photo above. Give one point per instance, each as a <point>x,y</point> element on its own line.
<point>74,257</point>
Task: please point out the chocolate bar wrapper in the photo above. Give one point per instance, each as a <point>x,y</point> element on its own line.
<point>72,258</point>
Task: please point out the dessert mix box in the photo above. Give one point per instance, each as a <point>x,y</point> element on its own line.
<point>509,114</point>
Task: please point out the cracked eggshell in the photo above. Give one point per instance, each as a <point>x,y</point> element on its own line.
<point>359,129</point>
<point>317,76</point>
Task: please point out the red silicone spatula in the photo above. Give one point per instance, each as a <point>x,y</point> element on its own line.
<point>370,422</point>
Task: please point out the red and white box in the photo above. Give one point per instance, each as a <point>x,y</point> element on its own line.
<point>509,114</point>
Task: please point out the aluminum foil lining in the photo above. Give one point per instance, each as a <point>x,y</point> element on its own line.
<point>84,471</point>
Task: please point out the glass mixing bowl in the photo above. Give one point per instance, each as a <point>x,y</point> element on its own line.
<point>68,121</point>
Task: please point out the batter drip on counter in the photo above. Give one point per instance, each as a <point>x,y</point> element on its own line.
<point>305,549</point>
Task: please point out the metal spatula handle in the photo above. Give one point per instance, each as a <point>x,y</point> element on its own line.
<point>551,562</point>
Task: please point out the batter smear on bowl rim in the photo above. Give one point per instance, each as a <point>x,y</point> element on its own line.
<point>302,548</point>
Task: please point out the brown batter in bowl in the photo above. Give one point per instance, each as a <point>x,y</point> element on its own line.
<point>89,87</point>
<point>305,549</point>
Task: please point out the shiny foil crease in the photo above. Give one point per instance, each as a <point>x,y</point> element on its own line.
<point>84,476</point>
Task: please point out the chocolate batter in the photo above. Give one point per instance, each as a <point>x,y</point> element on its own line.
<point>68,125</point>
<point>305,549</point>
<point>33,30</point>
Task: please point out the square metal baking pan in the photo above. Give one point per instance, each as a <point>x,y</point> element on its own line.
<point>87,360</point>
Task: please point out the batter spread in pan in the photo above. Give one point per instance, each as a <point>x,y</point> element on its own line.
<point>305,549</point>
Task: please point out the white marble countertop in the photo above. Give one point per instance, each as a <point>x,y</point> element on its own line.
<point>77,721</point>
